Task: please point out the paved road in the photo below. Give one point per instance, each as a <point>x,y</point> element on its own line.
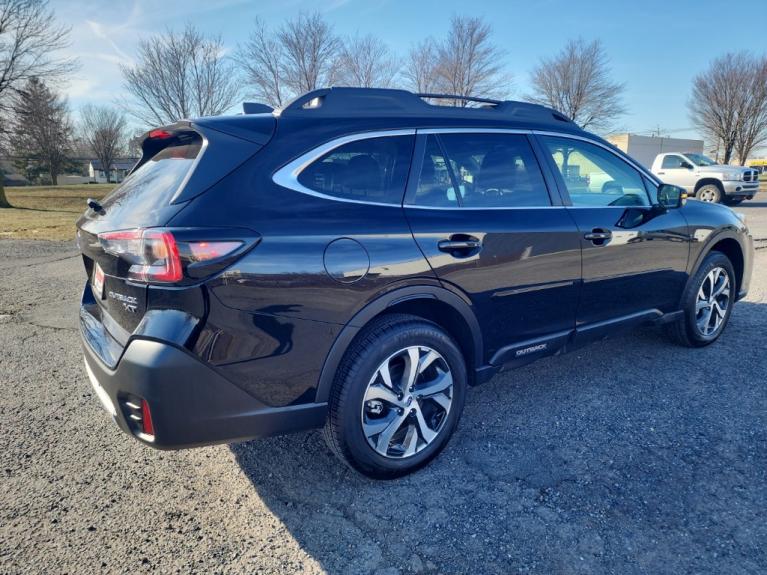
<point>633,456</point>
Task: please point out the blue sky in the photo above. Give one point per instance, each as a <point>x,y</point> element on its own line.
<point>656,47</point>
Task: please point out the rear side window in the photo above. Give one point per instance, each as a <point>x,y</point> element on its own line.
<point>480,171</point>
<point>371,170</point>
<point>154,184</point>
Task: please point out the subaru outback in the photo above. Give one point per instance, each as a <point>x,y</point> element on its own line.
<point>359,259</point>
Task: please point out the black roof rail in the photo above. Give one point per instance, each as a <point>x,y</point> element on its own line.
<point>456,97</point>
<point>343,101</point>
<point>256,108</point>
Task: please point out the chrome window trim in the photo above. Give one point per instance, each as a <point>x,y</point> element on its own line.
<point>192,168</point>
<point>287,176</point>
<point>473,131</point>
<point>475,208</point>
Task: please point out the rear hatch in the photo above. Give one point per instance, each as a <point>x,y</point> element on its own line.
<point>115,235</point>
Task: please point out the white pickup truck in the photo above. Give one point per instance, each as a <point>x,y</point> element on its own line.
<point>703,178</point>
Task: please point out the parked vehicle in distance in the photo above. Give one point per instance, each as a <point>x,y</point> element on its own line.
<point>708,181</point>
<point>359,259</point>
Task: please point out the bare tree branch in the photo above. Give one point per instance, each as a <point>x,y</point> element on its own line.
<point>366,61</point>
<point>420,70</point>
<point>29,40</point>
<point>468,63</point>
<point>180,75</point>
<point>310,51</point>
<point>729,103</point>
<point>103,129</point>
<point>577,83</point>
<point>262,60</point>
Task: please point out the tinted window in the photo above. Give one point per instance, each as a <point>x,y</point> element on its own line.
<point>372,170</point>
<point>490,170</point>
<point>594,176</point>
<point>435,187</point>
<point>154,184</point>
<point>672,162</point>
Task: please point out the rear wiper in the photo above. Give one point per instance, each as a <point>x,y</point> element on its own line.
<point>95,206</point>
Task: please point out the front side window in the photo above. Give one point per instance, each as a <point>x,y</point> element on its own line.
<point>672,163</point>
<point>371,170</point>
<point>480,170</point>
<point>594,176</point>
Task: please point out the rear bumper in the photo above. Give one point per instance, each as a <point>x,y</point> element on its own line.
<point>190,403</point>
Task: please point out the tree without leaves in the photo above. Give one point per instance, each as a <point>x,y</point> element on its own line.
<point>752,129</point>
<point>468,63</point>
<point>180,75</point>
<point>577,83</point>
<point>103,129</point>
<point>29,40</point>
<point>41,128</point>
<point>367,62</point>
<point>728,103</point>
<point>262,59</point>
<point>420,70</point>
<point>310,50</point>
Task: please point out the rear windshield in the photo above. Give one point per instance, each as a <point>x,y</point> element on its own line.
<point>154,184</point>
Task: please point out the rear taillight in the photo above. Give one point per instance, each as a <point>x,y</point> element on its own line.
<point>156,256</point>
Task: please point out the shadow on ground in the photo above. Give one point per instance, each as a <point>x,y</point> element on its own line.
<point>631,456</point>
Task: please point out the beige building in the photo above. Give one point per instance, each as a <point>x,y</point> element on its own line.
<point>644,148</point>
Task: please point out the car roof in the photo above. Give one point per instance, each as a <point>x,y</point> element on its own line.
<point>382,108</point>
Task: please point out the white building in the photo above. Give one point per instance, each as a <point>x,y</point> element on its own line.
<point>644,148</point>
<point>120,169</point>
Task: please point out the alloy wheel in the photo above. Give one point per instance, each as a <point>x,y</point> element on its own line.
<point>712,301</point>
<point>407,402</point>
<point>707,194</point>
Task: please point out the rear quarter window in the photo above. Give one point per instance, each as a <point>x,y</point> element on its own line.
<point>370,170</point>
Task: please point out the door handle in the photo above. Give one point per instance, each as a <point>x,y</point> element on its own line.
<point>661,173</point>
<point>598,236</point>
<point>460,245</point>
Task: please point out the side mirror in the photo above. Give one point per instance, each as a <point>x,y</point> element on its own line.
<point>687,166</point>
<point>671,197</point>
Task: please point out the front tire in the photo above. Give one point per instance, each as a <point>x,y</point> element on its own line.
<point>707,303</point>
<point>710,193</point>
<point>397,397</point>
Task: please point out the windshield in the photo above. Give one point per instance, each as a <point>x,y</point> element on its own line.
<point>701,160</point>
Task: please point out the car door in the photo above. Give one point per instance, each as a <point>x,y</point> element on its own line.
<point>677,170</point>
<point>634,252</point>
<point>480,210</point>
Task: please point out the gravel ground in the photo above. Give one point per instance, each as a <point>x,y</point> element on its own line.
<point>631,456</point>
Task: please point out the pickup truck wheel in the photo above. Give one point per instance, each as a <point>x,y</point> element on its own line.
<point>397,397</point>
<point>709,193</point>
<point>707,303</point>
<point>733,201</point>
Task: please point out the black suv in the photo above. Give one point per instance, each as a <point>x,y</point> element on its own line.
<point>361,257</point>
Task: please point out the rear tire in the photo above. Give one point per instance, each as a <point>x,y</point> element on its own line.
<point>711,193</point>
<point>397,397</point>
<point>707,303</point>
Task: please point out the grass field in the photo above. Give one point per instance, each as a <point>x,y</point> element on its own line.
<point>47,212</point>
